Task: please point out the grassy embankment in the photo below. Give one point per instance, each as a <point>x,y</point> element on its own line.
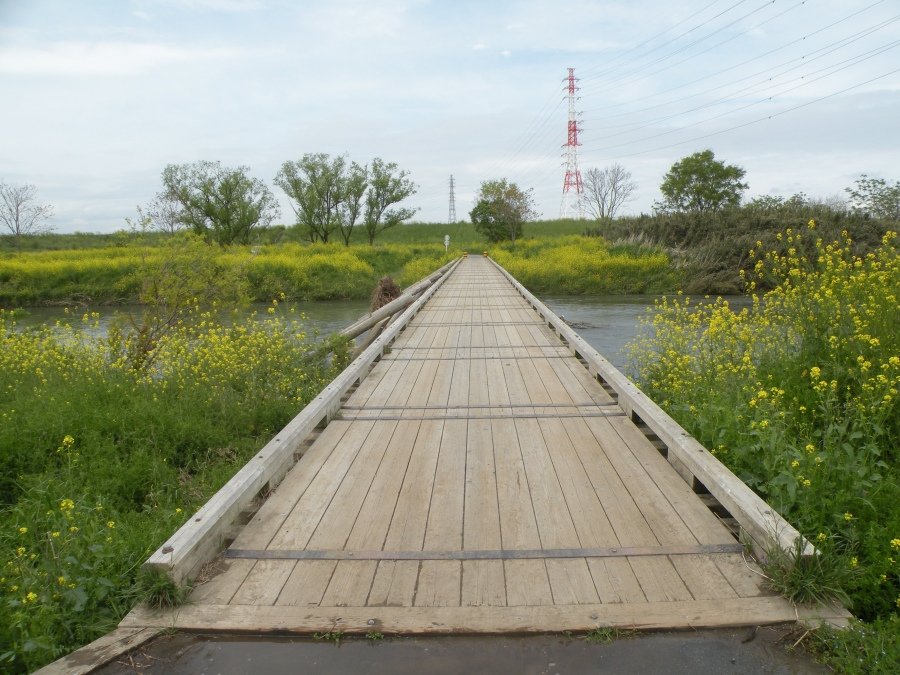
<point>553,259</point>
<point>798,396</point>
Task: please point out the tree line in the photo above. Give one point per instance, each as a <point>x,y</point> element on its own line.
<point>698,185</point>
<point>330,197</point>
<point>333,197</point>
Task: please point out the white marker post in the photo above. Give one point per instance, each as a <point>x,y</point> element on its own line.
<point>446,243</point>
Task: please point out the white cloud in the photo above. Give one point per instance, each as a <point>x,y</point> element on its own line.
<point>98,58</point>
<point>506,53</point>
<point>229,6</point>
<point>478,46</point>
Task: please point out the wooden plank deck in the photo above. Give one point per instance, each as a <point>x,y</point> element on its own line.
<point>479,479</point>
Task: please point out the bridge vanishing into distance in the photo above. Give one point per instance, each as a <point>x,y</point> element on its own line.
<point>477,469</point>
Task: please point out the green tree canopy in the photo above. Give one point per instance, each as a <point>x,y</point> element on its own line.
<point>699,183</point>
<point>388,185</point>
<point>328,195</point>
<point>315,184</point>
<point>221,203</point>
<point>501,207</point>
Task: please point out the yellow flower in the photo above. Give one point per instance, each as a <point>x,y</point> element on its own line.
<point>110,524</point>
<point>854,563</point>
<point>73,529</point>
<point>895,544</point>
<point>61,581</point>
<point>66,505</point>
<point>810,447</point>
<point>807,482</point>
<point>821,537</point>
<point>68,441</point>
<point>815,372</point>
<point>848,516</point>
<point>55,535</point>
<point>23,530</point>
<point>795,464</point>
<point>178,510</point>
<point>31,597</point>
<point>20,551</point>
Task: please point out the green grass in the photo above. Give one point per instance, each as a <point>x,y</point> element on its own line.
<point>102,463</point>
<point>797,394</point>
<point>551,257</point>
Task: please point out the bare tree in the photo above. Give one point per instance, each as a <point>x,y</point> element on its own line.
<point>606,190</point>
<point>164,213</point>
<point>19,211</point>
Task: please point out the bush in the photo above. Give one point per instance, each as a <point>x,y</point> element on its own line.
<point>103,461</point>
<point>578,265</point>
<point>797,394</point>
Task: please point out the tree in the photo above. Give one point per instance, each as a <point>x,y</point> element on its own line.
<point>500,209</point>
<point>164,214</point>
<point>699,184</point>
<point>876,197</point>
<point>20,213</point>
<point>387,186</point>
<point>182,274</point>
<point>607,190</point>
<point>354,188</point>
<point>315,185</point>
<point>220,203</point>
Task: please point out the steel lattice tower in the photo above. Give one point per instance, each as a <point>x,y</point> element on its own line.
<point>572,205</point>
<point>452,217</point>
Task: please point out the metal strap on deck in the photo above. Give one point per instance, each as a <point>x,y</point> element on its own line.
<point>395,348</point>
<point>505,554</point>
<point>480,308</point>
<point>472,296</point>
<point>485,406</point>
<point>480,358</point>
<point>436,418</point>
<point>480,323</point>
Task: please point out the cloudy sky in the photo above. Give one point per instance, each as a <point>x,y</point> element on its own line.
<point>99,95</point>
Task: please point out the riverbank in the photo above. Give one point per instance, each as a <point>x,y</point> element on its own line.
<point>103,460</point>
<point>296,272</point>
<point>797,394</point>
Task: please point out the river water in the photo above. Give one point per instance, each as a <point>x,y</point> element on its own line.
<point>607,323</point>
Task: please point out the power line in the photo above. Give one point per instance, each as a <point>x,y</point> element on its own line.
<point>803,59</point>
<point>762,119</point>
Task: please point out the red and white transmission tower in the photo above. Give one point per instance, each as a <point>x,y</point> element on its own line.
<point>573,190</point>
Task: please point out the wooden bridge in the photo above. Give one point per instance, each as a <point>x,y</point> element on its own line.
<point>479,468</point>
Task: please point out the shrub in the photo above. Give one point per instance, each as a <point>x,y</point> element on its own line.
<point>797,394</point>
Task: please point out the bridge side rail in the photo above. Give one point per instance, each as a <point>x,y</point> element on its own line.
<point>691,460</point>
<point>202,537</point>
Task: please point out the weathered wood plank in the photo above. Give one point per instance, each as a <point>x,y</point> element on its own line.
<point>101,651</point>
<point>759,519</point>
<point>487,619</point>
<point>204,534</point>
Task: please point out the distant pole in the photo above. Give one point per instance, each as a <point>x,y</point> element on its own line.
<point>452,217</point>
<point>572,205</point>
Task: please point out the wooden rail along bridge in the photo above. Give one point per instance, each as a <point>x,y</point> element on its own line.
<point>477,469</point>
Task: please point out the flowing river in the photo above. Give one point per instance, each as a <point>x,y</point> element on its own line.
<point>607,323</point>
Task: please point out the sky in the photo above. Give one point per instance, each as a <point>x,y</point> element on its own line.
<point>100,95</point>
